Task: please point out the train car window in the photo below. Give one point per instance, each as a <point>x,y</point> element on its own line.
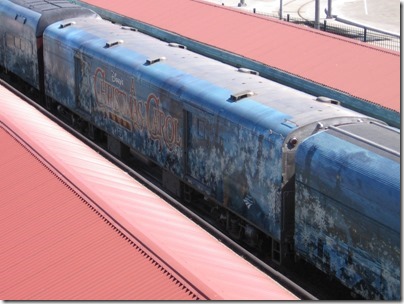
<point>201,127</point>
<point>10,40</point>
<point>18,43</point>
<point>320,248</point>
<point>26,46</point>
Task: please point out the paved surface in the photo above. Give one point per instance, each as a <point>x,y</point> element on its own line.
<point>379,14</point>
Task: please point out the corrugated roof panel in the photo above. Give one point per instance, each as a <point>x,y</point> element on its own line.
<point>105,237</point>
<point>348,65</point>
<point>55,247</point>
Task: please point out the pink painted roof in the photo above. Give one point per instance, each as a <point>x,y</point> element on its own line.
<point>360,70</point>
<point>73,226</point>
<point>55,246</point>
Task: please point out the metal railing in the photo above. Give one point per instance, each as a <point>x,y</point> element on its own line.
<point>348,29</point>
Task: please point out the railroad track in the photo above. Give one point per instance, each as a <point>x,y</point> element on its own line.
<point>298,7</point>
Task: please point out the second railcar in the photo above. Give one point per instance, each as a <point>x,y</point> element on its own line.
<point>347,219</point>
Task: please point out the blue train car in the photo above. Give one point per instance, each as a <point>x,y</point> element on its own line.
<point>348,211</point>
<point>221,131</point>
<point>22,26</point>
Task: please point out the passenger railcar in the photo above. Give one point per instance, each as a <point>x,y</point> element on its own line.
<point>347,206</point>
<point>185,113</point>
<point>22,26</point>
<point>240,144</point>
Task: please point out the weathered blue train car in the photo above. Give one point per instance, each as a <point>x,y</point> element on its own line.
<point>21,30</point>
<point>348,207</point>
<point>224,132</point>
<point>313,178</point>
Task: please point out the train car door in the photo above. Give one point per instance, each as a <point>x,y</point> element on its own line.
<point>82,84</point>
<point>200,158</point>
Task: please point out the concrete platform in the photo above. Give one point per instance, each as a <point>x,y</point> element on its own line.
<point>381,15</point>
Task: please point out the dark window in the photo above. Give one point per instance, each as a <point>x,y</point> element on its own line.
<point>18,43</point>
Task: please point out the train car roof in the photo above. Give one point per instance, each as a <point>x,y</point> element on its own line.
<point>360,165</point>
<point>363,76</point>
<point>206,82</point>
<point>74,226</point>
<point>41,13</point>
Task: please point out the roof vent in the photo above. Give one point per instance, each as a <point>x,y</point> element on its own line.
<point>248,71</point>
<point>177,45</point>
<point>328,100</point>
<point>128,28</point>
<point>155,60</point>
<point>63,25</point>
<point>241,95</point>
<point>113,43</point>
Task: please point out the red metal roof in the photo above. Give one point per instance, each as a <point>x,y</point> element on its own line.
<point>74,226</point>
<point>55,246</point>
<point>358,69</point>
